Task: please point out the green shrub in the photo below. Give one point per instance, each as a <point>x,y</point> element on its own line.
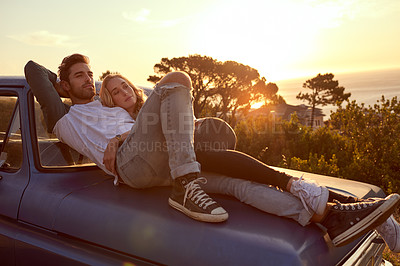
<point>358,142</point>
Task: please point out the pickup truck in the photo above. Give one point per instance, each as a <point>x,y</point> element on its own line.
<point>58,208</point>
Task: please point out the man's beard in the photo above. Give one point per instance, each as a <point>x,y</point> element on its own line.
<point>83,93</point>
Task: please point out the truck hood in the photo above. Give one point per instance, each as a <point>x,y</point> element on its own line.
<point>140,223</point>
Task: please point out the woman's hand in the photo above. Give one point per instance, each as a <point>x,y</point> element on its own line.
<point>110,154</point>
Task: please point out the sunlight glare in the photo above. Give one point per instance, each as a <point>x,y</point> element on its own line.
<point>270,36</point>
<point>257,105</point>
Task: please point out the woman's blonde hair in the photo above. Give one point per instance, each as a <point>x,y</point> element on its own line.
<point>107,100</point>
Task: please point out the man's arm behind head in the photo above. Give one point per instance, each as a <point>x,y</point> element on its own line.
<point>43,84</point>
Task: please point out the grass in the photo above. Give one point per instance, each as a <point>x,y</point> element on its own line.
<point>394,258</point>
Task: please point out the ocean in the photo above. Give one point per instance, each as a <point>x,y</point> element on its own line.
<point>365,87</point>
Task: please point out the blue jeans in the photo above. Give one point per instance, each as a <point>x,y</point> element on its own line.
<point>264,197</point>
<point>161,143</point>
<point>161,146</point>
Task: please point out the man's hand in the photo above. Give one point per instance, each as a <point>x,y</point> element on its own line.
<point>110,154</point>
<point>60,90</point>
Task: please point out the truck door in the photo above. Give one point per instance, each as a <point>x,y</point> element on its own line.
<point>14,174</point>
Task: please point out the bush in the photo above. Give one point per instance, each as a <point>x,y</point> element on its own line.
<point>358,143</point>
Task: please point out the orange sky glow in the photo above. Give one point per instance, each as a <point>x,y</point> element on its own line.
<point>281,39</point>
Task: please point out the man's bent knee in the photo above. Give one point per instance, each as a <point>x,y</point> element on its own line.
<point>214,134</point>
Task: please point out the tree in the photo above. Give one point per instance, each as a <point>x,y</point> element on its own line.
<point>105,74</point>
<point>373,141</point>
<point>268,92</point>
<point>266,89</point>
<point>220,87</point>
<point>235,86</point>
<point>201,70</point>
<point>324,91</point>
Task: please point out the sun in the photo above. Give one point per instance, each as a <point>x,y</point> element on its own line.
<point>257,105</point>
<point>267,35</point>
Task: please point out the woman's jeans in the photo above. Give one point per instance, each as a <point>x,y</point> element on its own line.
<point>162,145</point>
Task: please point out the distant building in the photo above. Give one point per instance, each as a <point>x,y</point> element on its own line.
<point>284,111</point>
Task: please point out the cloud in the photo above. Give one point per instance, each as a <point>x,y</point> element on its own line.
<point>334,13</point>
<point>169,23</point>
<point>141,16</point>
<point>43,38</point>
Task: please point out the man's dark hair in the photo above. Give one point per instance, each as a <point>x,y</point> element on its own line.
<point>67,62</point>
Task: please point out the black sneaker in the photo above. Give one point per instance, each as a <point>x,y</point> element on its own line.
<point>347,199</point>
<point>347,222</point>
<point>342,198</point>
<point>188,197</point>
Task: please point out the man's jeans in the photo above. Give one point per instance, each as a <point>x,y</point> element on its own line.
<point>266,198</point>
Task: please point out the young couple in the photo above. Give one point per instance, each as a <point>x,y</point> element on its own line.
<point>156,142</point>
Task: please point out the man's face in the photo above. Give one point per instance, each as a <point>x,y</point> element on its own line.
<point>81,82</point>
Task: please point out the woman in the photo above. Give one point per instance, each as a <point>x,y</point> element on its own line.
<point>131,104</point>
<point>231,172</point>
<point>119,91</point>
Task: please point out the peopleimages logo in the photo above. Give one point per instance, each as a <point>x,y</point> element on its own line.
<point>209,133</point>
<point>176,146</point>
<point>180,124</point>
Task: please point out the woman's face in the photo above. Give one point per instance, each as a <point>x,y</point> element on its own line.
<point>122,94</point>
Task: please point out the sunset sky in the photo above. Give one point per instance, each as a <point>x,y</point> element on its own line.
<point>281,39</point>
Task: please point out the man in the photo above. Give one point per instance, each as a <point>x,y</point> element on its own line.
<point>88,128</point>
